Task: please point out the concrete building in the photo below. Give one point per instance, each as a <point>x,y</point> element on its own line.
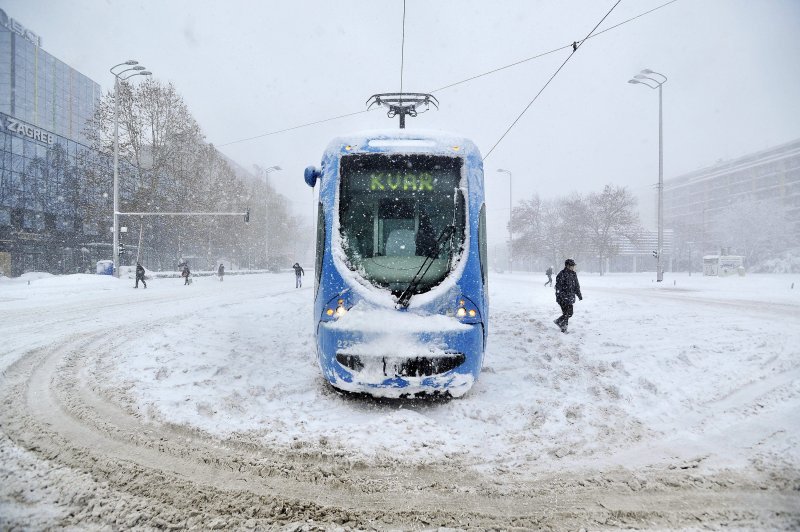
<point>693,202</point>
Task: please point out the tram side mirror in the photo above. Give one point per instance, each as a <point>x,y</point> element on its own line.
<point>311,175</point>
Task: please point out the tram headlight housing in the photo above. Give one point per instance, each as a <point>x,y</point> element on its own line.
<point>336,308</point>
<point>466,311</point>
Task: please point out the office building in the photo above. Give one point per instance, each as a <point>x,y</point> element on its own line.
<point>49,220</point>
<point>694,203</point>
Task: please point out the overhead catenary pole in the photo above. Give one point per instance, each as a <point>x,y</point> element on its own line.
<point>267,213</point>
<point>510,242</point>
<point>660,265</point>
<point>139,247</point>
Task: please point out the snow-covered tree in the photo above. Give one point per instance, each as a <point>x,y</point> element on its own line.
<point>575,226</point>
<point>607,217</point>
<point>166,165</point>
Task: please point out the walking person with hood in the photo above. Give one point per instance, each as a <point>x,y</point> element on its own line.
<point>140,275</point>
<point>221,272</point>
<point>567,287</point>
<point>549,274</point>
<point>185,274</point>
<point>298,271</point>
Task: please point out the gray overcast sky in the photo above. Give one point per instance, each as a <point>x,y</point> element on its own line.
<point>246,68</point>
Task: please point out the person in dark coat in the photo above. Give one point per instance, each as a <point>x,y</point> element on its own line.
<point>140,275</point>
<point>185,274</point>
<point>221,272</point>
<point>567,287</point>
<point>298,271</point>
<point>549,274</point>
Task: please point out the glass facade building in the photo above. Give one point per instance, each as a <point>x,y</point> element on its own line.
<point>39,89</point>
<point>55,206</point>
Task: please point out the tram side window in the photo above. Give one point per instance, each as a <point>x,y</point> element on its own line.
<point>482,245</point>
<point>320,242</point>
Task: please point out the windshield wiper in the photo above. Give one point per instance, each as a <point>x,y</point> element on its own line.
<point>405,297</point>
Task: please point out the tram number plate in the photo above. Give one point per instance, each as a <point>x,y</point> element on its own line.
<point>344,344</point>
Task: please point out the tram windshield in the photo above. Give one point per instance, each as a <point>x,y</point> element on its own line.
<point>393,210</point>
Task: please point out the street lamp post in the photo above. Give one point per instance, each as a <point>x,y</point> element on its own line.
<point>138,71</point>
<point>510,243</point>
<point>645,78</point>
<point>266,213</point>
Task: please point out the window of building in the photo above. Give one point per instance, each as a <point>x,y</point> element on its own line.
<point>17,218</point>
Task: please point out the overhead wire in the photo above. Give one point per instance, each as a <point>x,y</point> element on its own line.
<point>554,50</point>
<point>575,47</point>
<point>495,70</point>
<point>294,127</point>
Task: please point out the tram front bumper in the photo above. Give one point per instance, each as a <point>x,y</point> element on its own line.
<point>397,364</point>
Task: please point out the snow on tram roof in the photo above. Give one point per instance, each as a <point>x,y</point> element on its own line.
<point>411,140</point>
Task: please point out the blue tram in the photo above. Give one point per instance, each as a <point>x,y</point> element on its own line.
<point>401,297</point>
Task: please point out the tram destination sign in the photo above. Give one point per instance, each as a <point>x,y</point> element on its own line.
<point>27,130</point>
<point>401,181</point>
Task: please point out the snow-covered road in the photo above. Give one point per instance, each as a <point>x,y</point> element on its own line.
<point>202,406</point>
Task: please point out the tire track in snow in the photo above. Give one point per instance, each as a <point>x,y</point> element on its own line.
<point>123,472</point>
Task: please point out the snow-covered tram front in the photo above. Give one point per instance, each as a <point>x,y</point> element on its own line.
<point>400,302</point>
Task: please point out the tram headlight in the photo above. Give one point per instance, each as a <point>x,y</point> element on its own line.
<point>336,313</point>
<point>465,310</point>
<point>335,309</point>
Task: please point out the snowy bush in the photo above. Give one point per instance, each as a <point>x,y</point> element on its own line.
<point>786,262</point>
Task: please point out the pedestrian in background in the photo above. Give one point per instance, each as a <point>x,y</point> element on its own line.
<point>549,274</point>
<point>185,274</point>
<point>298,271</point>
<point>140,275</point>
<point>221,272</point>
<point>567,287</point>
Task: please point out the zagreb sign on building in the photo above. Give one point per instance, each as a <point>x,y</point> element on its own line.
<point>27,130</point>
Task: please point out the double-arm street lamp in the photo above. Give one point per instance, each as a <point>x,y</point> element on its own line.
<point>135,70</point>
<point>266,213</point>
<point>645,77</point>
<point>510,243</point>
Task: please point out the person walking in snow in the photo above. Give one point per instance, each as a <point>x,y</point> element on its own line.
<point>140,275</point>
<point>298,271</point>
<point>185,274</point>
<point>221,272</point>
<point>567,287</point>
<point>549,274</point>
